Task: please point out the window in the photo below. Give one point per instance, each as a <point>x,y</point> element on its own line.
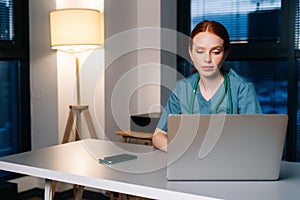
<point>8,107</point>
<point>265,37</point>
<point>271,82</point>
<point>297,26</point>
<point>245,20</point>
<point>14,79</point>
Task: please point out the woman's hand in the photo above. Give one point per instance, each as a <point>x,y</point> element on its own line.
<point>160,140</point>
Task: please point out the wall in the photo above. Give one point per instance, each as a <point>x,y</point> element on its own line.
<point>148,90</point>
<point>168,44</point>
<point>120,16</point>
<point>132,61</point>
<point>43,72</point>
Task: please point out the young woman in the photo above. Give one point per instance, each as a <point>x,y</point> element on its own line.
<point>211,90</point>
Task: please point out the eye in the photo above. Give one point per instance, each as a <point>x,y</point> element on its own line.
<point>216,52</point>
<point>199,51</point>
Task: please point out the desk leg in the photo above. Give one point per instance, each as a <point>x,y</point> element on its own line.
<point>48,190</point>
<point>78,192</point>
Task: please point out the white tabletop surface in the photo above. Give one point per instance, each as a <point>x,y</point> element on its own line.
<point>77,163</point>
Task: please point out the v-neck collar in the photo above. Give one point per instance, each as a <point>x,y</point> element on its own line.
<point>214,98</point>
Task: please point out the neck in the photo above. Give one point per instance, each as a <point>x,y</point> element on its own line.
<point>209,85</point>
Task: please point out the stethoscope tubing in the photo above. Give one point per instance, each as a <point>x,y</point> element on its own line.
<point>227,90</point>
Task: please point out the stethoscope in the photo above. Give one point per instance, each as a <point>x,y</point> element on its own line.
<point>227,90</point>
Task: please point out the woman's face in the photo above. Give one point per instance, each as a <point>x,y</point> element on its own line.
<point>208,54</point>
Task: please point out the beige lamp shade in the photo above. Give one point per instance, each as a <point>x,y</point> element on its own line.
<point>76,29</point>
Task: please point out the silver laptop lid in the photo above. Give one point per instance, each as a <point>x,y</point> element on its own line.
<point>225,147</point>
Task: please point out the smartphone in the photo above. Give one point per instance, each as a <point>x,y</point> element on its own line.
<point>117,158</point>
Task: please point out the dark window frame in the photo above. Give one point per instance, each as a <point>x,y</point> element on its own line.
<point>19,50</point>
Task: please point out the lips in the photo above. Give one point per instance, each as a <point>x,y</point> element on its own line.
<point>207,68</point>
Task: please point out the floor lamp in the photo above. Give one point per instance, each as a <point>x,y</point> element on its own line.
<point>76,30</point>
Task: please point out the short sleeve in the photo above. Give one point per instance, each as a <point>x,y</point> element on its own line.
<point>172,107</point>
<point>248,101</point>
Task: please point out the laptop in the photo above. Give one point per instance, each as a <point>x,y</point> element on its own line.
<point>225,147</point>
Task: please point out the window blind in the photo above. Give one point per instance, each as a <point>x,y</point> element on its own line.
<point>6,20</point>
<point>271,82</point>
<point>297,26</point>
<point>245,20</point>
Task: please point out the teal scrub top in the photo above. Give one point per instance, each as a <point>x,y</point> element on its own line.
<point>243,95</point>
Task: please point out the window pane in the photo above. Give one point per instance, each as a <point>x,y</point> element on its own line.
<point>8,108</point>
<point>270,79</point>
<point>246,20</point>
<point>297,26</point>
<point>6,20</point>
<point>298,118</point>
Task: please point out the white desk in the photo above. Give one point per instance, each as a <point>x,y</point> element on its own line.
<point>77,163</point>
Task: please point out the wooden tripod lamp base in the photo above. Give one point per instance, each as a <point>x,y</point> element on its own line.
<point>74,116</point>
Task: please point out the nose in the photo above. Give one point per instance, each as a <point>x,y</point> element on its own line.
<point>207,57</point>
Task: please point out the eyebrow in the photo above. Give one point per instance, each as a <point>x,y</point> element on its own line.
<point>213,48</point>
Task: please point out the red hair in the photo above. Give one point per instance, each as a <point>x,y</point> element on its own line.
<point>212,27</point>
